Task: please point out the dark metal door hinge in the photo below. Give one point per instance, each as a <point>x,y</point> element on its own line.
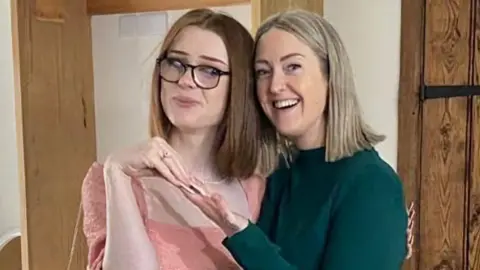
<point>448,91</point>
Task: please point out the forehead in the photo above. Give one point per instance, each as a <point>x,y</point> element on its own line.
<point>276,43</point>
<point>197,41</point>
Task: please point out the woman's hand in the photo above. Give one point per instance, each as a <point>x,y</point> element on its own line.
<point>410,235</point>
<point>216,209</point>
<point>150,157</point>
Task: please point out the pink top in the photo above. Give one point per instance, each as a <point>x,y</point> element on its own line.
<point>181,238</point>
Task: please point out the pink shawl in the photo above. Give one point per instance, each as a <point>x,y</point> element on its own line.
<point>148,224</point>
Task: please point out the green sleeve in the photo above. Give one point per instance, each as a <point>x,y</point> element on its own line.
<point>252,249</point>
<point>368,229</point>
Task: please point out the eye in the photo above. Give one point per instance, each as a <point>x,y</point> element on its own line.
<point>210,71</point>
<point>261,72</point>
<point>173,62</point>
<point>293,67</point>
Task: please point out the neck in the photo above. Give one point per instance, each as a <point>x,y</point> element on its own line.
<point>314,137</point>
<point>195,148</point>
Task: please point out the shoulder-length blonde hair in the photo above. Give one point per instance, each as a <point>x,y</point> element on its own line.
<point>346,129</point>
<point>242,149</point>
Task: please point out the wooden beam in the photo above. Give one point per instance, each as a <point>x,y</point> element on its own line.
<point>262,9</point>
<point>98,7</point>
<point>55,126</point>
<point>409,111</point>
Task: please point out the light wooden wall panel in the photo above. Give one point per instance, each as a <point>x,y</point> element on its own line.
<point>96,7</point>
<point>56,127</point>
<point>262,9</point>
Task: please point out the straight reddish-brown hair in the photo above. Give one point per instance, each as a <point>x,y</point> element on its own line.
<point>242,149</point>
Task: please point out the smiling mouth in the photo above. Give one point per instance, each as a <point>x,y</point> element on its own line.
<point>285,104</point>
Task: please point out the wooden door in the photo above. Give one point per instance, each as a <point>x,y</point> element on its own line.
<point>439,130</point>
<point>56,129</point>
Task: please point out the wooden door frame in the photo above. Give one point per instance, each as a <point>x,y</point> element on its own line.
<point>409,108</point>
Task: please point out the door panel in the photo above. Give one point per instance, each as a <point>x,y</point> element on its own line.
<point>443,178</point>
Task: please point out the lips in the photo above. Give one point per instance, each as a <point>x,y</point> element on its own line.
<point>184,101</point>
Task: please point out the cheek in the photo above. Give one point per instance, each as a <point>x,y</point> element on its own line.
<point>317,98</point>
<point>313,91</point>
<point>262,91</point>
<point>216,102</point>
<point>165,93</point>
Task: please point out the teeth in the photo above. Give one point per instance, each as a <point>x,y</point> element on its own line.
<point>285,103</point>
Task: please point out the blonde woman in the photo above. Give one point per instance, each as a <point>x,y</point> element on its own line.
<point>334,204</point>
<point>203,105</point>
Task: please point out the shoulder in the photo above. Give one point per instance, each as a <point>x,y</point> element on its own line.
<point>367,166</point>
<point>367,177</point>
<point>93,179</point>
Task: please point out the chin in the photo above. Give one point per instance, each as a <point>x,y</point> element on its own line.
<point>288,131</point>
<point>184,124</point>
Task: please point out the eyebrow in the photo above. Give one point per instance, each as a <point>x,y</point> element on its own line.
<point>205,57</point>
<point>283,58</point>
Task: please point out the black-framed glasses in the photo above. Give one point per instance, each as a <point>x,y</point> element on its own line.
<point>205,77</point>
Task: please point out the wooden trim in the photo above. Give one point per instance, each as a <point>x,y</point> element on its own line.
<point>472,245</point>
<point>50,10</point>
<point>98,7</point>
<point>255,14</point>
<point>19,131</point>
<point>409,112</point>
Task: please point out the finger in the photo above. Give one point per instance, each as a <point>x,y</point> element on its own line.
<point>222,206</point>
<point>204,204</point>
<point>194,197</point>
<point>162,169</point>
<point>409,254</point>
<point>174,164</point>
<point>411,207</point>
<point>175,168</point>
<point>172,159</point>
<point>411,214</point>
<point>169,157</point>
<point>199,186</point>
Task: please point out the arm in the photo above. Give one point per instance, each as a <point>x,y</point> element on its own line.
<point>95,213</point>
<point>94,221</point>
<point>368,229</point>
<point>251,247</point>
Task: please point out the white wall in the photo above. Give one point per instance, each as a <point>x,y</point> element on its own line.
<point>371,32</point>
<point>9,190</point>
<point>123,62</point>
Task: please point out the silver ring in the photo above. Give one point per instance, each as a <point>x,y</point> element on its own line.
<point>165,154</point>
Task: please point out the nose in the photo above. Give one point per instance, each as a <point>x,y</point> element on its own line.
<point>186,80</point>
<point>277,82</point>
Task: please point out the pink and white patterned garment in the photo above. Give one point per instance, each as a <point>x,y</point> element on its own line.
<point>148,224</point>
